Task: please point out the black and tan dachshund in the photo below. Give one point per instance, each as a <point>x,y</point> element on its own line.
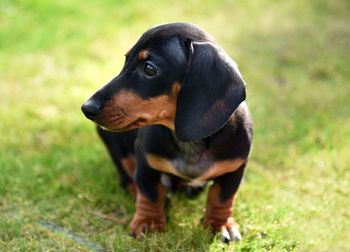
<point>176,110</point>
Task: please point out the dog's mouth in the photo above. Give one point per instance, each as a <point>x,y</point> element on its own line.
<point>127,124</point>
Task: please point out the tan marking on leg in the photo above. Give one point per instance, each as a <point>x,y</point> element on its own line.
<point>128,164</point>
<point>149,216</point>
<point>218,213</point>
<point>131,188</point>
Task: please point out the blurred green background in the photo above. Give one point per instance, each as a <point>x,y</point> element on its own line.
<point>295,58</point>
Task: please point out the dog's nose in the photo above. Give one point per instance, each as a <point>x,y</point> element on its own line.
<point>91,109</point>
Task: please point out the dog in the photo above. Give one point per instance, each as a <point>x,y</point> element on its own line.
<point>177,110</point>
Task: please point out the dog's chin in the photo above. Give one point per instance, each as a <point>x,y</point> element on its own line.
<point>115,129</point>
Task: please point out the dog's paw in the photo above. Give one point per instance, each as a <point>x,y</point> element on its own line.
<point>143,226</point>
<point>229,232</point>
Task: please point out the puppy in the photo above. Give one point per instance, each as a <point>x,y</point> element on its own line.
<point>176,108</point>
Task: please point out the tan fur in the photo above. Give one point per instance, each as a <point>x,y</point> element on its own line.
<point>131,188</point>
<point>149,216</point>
<point>217,169</point>
<point>162,164</point>
<point>218,214</point>
<point>128,164</point>
<point>127,110</point>
<point>143,54</point>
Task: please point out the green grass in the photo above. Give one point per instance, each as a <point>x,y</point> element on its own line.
<point>295,58</point>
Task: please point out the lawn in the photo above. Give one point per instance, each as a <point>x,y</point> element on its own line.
<point>58,188</point>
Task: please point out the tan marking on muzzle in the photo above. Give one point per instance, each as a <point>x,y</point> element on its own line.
<point>128,110</point>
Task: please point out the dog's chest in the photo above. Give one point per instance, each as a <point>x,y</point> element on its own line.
<point>192,159</point>
<point>189,161</point>
<point>194,163</point>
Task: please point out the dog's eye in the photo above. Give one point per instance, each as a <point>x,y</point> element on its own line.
<point>149,70</point>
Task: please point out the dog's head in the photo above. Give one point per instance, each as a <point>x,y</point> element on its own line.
<point>176,76</point>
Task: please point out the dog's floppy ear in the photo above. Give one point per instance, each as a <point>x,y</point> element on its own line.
<point>211,91</point>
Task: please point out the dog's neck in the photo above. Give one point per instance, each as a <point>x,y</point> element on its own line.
<point>189,147</point>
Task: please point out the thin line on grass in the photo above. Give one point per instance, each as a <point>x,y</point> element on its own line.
<point>71,235</point>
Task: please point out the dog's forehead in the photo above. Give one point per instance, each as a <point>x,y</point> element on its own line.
<point>166,39</point>
<point>171,49</point>
<point>166,48</point>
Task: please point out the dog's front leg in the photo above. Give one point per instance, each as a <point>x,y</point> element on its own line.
<point>149,215</point>
<point>221,195</point>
